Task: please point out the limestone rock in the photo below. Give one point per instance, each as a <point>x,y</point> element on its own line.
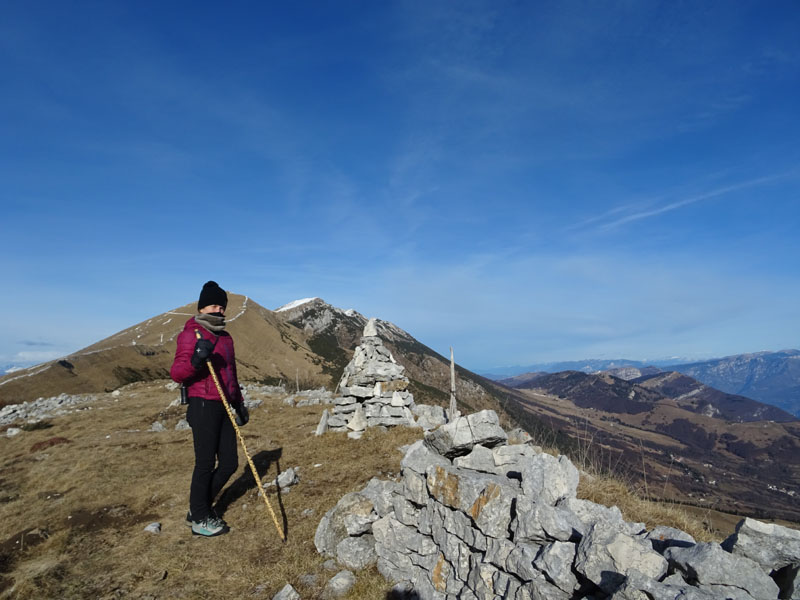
<point>322,426</point>
<point>519,436</point>
<point>12,431</point>
<point>480,459</point>
<point>153,528</point>
<point>358,422</point>
<point>339,585</point>
<point>460,436</point>
<point>405,511</point>
<point>287,478</point>
<point>590,513</point>
<point>555,561</point>
<point>498,550</point>
<point>640,587</point>
<point>520,561</point>
<point>429,417</point>
<point>410,420</point>
<point>400,548</point>
<point>182,425</point>
<point>542,523</point>
<point>546,479</point>
<point>420,456</point>
<point>287,593</point>
<point>356,552</point>
<point>474,518</point>
<point>381,493</point>
<point>606,557</point>
<point>663,537</point>
<point>771,546</point>
<point>352,515</point>
<point>371,328</point>
<point>158,426</point>
<point>513,456</point>
<point>415,487</point>
<point>707,565</point>
<point>486,499</point>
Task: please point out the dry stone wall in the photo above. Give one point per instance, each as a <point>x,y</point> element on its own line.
<point>474,517</point>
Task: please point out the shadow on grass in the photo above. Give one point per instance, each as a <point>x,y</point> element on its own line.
<point>245,482</point>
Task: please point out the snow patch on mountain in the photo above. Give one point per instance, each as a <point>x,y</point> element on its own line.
<point>295,304</point>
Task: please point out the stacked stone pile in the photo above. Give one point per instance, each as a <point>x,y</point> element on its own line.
<point>476,517</point>
<point>374,389</point>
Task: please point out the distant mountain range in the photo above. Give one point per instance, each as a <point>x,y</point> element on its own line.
<point>699,445</point>
<point>607,392</point>
<point>589,365</point>
<point>770,377</point>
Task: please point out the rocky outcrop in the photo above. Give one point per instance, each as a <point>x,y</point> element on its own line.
<point>44,408</point>
<point>473,517</point>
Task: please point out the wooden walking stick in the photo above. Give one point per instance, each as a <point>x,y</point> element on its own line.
<point>229,410</point>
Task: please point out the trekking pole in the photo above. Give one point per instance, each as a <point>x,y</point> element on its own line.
<point>229,410</point>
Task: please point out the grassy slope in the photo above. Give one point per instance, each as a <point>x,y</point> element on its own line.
<point>109,481</point>
<point>95,493</point>
<point>267,350</point>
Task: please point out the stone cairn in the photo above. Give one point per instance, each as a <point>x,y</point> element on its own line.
<point>374,390</point>
<point>474,517</point>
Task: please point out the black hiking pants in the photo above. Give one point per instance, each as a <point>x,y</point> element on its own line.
<point>215,457</point>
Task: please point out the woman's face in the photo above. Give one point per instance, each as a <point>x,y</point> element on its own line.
<point>213,308</point>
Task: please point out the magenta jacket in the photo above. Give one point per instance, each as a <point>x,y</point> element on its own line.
<point>200,382</point>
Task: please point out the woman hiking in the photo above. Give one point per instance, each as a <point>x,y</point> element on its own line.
<point>215,457</point>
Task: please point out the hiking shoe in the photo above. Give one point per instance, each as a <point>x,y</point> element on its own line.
<point>214,514</point>
<point>209,527</point>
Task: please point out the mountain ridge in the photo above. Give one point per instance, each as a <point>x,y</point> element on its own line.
<point>770,377</point>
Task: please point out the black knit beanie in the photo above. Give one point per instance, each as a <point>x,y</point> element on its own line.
<point>212,294</point>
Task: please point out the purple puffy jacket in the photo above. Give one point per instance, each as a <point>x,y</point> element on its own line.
<point>200,382</point>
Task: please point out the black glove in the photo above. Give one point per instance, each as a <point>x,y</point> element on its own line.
<point>242,414</point>
<point>202,351</point>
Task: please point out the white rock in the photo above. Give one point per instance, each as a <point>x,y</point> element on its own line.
<point>12,431</point>
<point>287,593</point>
<point>606,556</point>
<point>371,328</point>
<point>339,585</point>
<point>713,568</point>
<point>322,426</point>
<point>153,528</point>
<point>770,545</point>
<point>359,421</point>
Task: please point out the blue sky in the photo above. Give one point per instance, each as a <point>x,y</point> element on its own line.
<point>524,181</point>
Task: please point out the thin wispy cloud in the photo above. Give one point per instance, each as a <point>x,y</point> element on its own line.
<point>638,211</point>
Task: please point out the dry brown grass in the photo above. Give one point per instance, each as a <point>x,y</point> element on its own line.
<point>112,480</point>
